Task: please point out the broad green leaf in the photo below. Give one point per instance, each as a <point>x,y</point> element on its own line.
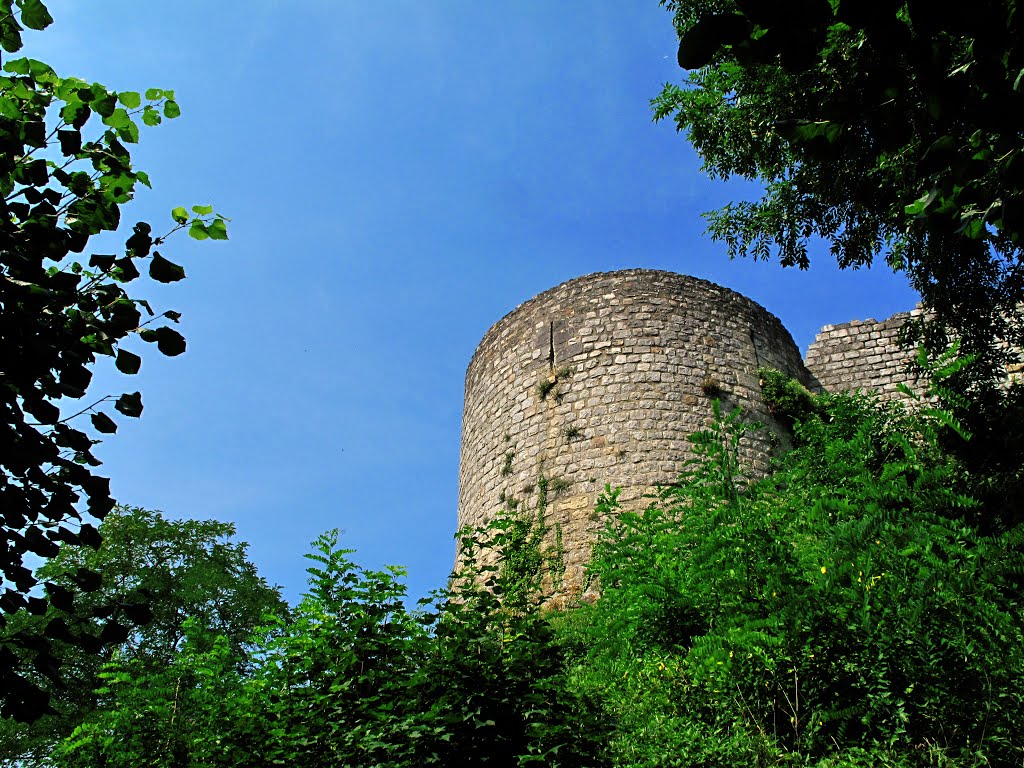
<point>130,133</point>
<point>198,230</point>
<point>70,142</point>
<point>75,114</point>
<point>103,423</point>
<point>34,14</point>
<point>10,32</point>
<point>164,271</point>
<point>180,214</point>
<point>42,71</point>
<point>919,206</point>
<point>127,362</point>
<point>117,119</point>
<point>171,109</point>
<point>151,116</point>
<point>130,99</point>
<point>169,341</point>
<point>154,93</point>
<point>104,103</point>
<point>202,210</point>
<point>217,230</point>
<point>10,109</point>
<point>130,404</point>
<point>17,66</point>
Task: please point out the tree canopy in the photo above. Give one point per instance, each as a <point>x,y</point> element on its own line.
<point>890,129</point>
<point>191,576</point>
<point>65,173</point>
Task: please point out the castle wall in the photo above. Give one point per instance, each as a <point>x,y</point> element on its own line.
<point>601,380</point>
<point>863,354</point>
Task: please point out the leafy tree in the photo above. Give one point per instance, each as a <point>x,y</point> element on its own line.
<point>888,128</point>
<point>65,172</point>
<point>195,582</point>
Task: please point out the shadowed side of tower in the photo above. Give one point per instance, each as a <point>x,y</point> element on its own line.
<point>601,380</point>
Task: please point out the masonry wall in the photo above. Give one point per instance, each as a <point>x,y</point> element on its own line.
<point>863,354</point>
<point>601,380</point>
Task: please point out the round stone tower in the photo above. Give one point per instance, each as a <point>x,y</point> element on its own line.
<point>601,380</point>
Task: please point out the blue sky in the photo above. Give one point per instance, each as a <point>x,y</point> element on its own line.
<point>399,175</point>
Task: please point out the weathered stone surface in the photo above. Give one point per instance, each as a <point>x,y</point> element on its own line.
<point>601,380</point>
<point>863,354</point>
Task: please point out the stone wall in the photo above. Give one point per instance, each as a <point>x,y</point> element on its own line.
<point>863,354</point>
<point>601,380</point>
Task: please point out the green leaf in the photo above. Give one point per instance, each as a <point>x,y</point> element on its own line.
<point>117,119</point>
<point>171,109</point>
<point>127,362</point>
<point>34,14</point>
<point>164,271</point>
<point>217,230</point>
<point>154,93</point>
<point>202,210</point>
<point>922,203</point>
<point>169,341</point>
<point>130,404</point>
<point>179,214</point>
<point>17,66</point>
<point>130,99</point>
<point>151,116</point>
<point>198,230</point>
<point>129,133</point>
<point>70,142</point>
<point>10,32</point>
<point>103,423</point>
<point>103,103</point>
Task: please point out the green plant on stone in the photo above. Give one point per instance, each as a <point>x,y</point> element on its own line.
<point>558,486</point>
<point>710,386</point>
<point>544,387</point>
<point>506,468</point>
<point>548,384</point>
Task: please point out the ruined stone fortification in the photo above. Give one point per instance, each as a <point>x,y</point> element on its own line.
<point>603,378</point>
<point>862,354</point>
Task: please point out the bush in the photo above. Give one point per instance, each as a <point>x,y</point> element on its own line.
<point>841,604</point>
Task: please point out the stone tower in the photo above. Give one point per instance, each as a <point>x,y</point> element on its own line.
<point>601,380</point>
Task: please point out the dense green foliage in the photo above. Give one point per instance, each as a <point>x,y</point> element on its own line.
<point>843,611</point>
<point>65,173</point>
<point>838,612</point>
<point>179,572</point>
<point>889,129</point>
<point>352,677</point>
